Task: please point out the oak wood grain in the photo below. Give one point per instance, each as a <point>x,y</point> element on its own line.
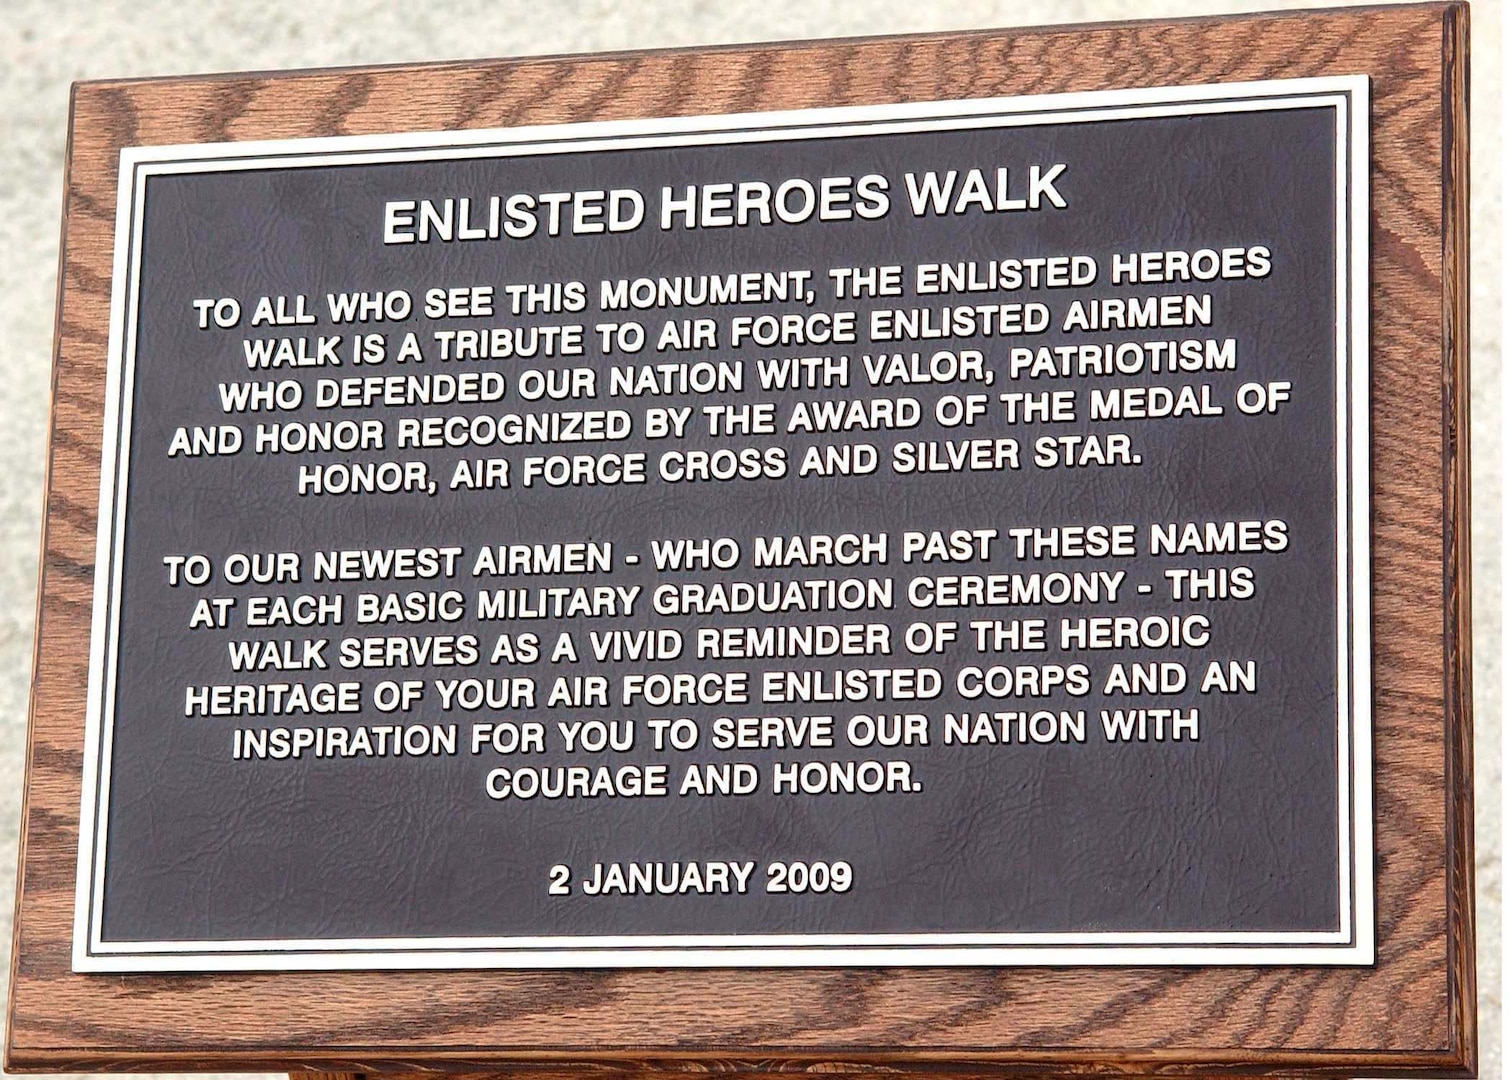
<point>1412,1012</point>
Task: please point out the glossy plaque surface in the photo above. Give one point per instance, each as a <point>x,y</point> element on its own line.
<point>917,534</point>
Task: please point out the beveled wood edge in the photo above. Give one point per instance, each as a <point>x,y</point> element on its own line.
<point>385,1063</point>
<point>1459,1060</point>
<point>36,651</point>
<point>1459,775</point>
<point>778,44</point>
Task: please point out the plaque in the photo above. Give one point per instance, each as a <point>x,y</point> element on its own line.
<point>555,509</point>
<point>936,545</point>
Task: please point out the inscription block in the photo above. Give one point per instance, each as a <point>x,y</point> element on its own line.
<point>914,534</point>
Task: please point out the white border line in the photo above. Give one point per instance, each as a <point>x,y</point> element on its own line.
<point>1351,943</point>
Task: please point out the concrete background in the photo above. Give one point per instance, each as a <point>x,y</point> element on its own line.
<point>46,44</point>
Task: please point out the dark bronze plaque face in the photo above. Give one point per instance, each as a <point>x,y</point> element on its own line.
<point>906,535</point>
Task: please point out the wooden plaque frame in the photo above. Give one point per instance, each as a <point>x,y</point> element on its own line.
<point>1412,1012</point>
